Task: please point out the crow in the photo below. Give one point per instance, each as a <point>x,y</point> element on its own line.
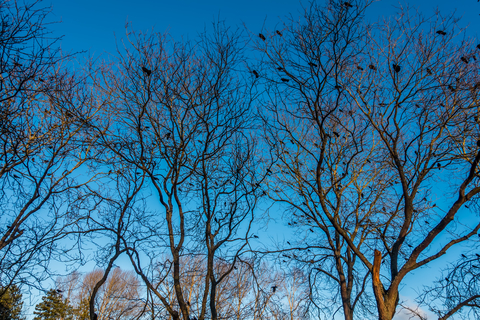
<point>478,143</point>
<point>284,80</point>
<point>338,87</point>
<point>262,36</point>
<point>478,46</point>
<point>372,67</point>
<point>280,69</point>
<point>429,71</point>
<point>147,71</point>
<point>441,32</point>
<point>359,68</point>
<point>396,67</point>
<point>336,134</point>
<point>255,236</point>
<point>348,4</point>
<point>464,59</point>
<point>279,33</point>
<point>255,73</point>
<point>464,256</point>
<point>274,288</point>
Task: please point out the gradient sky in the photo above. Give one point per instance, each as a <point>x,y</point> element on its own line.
<point>96,25</point>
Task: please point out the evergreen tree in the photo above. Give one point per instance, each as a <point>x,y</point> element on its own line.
<point>11,303</point>
<point>53,307</point>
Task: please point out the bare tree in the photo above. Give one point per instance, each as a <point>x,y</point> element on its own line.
<point>457,291</point>
<point>44,142</point>
<point>421,100</point>
<point>326,168</point>
<point>179,121</point>
<point>119,297</point>
<point>369,184</point>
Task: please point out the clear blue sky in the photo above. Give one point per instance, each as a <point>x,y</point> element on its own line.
<point>93,24</point>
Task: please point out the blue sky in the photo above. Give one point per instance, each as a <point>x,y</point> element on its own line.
<point>95,26</point>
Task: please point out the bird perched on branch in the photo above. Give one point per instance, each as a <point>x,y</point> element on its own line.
<point>147,71</point>
<point>279,33</point>
<point>441,32</point>
<point>274,288</point>
<point>396,67</point>
<point>372,67</point>
<point>255,73</point>
<point>262,36</point>
<point>464,59</point>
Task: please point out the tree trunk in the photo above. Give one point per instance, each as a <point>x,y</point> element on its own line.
<point>386,300</point>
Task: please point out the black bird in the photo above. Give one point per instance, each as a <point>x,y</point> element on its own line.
<point>95,317</point>
<point>446,279</point>
<point>147,71</point>
<point>274,288</point>
<point>478,46</point>
<point>59,291</point>
<point>429,71</point>
<point>311,64</point>
<point>255,236</point>
<point>372,67</point>
<point>359,68</point>
<point>348,4</point>
<point>338,87</point>
<point>255,73</point>
<point>262,36</point>
<point>478,143</point>
<point>441,32</point>
<point>311,230</point>
<point>284,80</point>
<point>279,33</point>
<point>336,134</point>
<point>439,165</point>
<point>289,243</point>
<point>280,69</point>
<point>464,59</point>
<point>396,67</point>
<point>464,256</point>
